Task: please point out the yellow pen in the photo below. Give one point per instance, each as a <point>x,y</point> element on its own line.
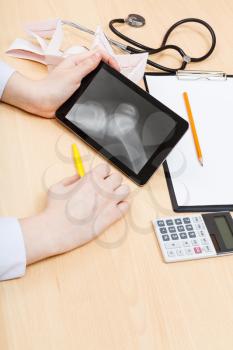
<point>78,161</point>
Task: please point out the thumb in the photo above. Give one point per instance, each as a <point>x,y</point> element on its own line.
<point>86,66</point>
<point>60,189</point>
<point>70,180</point>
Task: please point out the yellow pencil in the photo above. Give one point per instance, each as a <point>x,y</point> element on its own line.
<point>193,128</point>
<point>78,160</point>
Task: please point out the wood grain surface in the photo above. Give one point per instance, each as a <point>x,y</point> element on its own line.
<point>116,292</point>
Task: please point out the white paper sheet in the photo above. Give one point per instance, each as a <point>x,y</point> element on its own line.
<point>212,107</point>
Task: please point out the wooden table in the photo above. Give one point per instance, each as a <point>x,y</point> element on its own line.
<point>116,292</point>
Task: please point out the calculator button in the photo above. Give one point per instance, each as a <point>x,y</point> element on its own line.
<point>170,245</point>
<point>189,227</point>
<point>166,238</point>
<point>178,221</point>
<point>207,249</point>
<point>197,250</point>
<point>169,222</point>
<point>183,235</point>
<point>180,228</point>
<point>163,230</point>
<point>204,241</point>
<point>186,244</point>
<point>192,234</point>
<point>199,226</point>
<point>180,252</point>
<point>194,242</point>
<point>171,229</point>
<point>196,219</point>
<point>188,251</point>
<point>201,233</point>
<point>187,220</point>
<point>174,236</point>
<point>171,253</point>
<point>160,223</point>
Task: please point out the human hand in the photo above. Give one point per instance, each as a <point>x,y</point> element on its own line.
<point>78,210</point>
<point>43,97</point>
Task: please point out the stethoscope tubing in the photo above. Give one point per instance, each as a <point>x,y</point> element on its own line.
<point>164,46</point>
<point>140,48</point>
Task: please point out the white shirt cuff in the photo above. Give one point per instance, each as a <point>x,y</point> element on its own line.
<point>12,249</point>
<point>5,74</point>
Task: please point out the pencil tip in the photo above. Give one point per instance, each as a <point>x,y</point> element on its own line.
<point>201,161</point>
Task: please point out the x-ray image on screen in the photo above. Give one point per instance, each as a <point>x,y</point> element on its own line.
<point>120,120</point>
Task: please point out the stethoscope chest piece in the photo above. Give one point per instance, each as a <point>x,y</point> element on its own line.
<point>135,20</point>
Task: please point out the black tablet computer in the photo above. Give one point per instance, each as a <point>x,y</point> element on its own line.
<point>124,123</point>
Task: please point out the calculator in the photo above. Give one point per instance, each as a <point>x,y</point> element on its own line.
<point>195,237</point>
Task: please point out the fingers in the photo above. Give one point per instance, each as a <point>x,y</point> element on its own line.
<point>107,58</point>
<point>87,62</point>
<point>102,170</point>
<point>121,193</point>
<point>98,50</point>
<point>113,63</point>
<point>123,207</point>
<point>113,181</point>
<point>86,66</point>
<point>70,180</point>
<point>64,186</point>
<point>75,60</point>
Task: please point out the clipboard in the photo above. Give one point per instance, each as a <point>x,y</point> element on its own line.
<point>165,95</point>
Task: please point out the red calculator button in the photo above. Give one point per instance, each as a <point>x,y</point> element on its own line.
<point>197,250</point>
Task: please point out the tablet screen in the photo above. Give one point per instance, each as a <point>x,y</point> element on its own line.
<point>124,123</point>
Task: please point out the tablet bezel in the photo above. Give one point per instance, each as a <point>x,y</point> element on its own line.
<point>160,153</point>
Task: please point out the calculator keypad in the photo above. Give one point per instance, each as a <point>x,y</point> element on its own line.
<point>166,237</point>
<point>186,220</point>
<point>163,230</point>
<point>169,222</point>
<point>180,252</point>
<point>160,223</point>
<point>171,229</point>
<point>184,238</point>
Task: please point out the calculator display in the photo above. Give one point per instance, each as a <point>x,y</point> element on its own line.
<point>225,231</point>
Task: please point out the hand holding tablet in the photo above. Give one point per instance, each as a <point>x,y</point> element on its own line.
<point>121,121</point>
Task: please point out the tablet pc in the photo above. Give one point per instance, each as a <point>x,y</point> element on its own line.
<point>123,122</point>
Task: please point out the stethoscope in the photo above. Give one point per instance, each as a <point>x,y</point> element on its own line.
<point>139,21</point>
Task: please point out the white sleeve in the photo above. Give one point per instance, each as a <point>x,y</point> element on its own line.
<point>5,74</point>
<point>12,249</point>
